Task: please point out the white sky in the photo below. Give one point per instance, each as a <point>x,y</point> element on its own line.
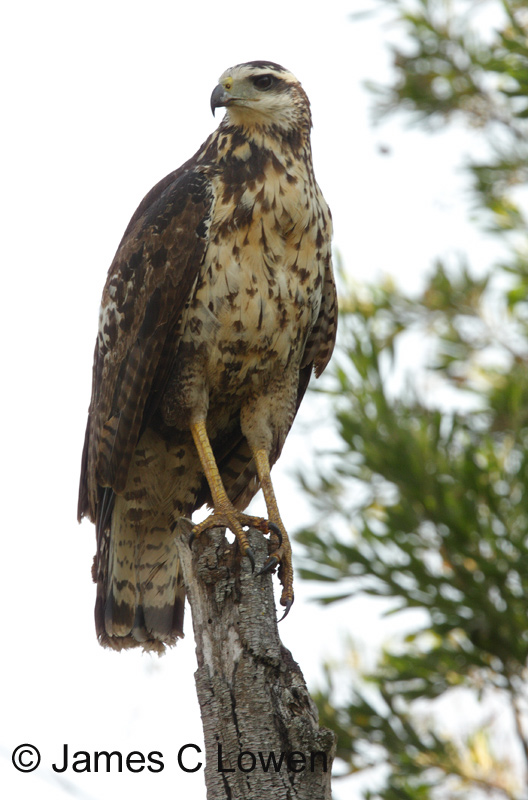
<point>99,101</point>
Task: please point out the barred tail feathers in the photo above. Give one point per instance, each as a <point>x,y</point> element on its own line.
<point>140,591</point>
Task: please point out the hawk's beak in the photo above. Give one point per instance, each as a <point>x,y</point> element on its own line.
<point>219,98</point>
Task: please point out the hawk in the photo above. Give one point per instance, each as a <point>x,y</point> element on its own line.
<point>218,305</point>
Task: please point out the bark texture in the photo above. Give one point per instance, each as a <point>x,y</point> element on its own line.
<point>262,736</point>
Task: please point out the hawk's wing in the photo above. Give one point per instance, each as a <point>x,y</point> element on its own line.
<point>321,341</point>
<point>148,286</point>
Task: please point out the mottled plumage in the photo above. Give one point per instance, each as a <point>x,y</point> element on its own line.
<point>218,305</point>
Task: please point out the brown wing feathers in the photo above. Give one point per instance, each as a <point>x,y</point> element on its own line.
<point>148,285</point>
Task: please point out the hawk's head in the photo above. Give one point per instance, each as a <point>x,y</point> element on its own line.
<point>262,93</point>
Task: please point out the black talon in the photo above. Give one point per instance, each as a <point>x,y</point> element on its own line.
<point>289,604</point>
<point>249,553</point>
<point>269,566</point>
<point>191,539</point>
<point>276,530</point>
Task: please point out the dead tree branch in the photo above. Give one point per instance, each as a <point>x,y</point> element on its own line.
<point>262,736</point>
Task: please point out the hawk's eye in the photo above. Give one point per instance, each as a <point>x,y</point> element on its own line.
<point>263,82</point>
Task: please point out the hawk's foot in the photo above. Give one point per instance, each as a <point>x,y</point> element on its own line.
<point>236,521</point>
<point>281,557</point>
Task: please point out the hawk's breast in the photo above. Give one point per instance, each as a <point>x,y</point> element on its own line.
<point>261,286</point>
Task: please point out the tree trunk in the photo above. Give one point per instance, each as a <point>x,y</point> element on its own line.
<point>262,737</point>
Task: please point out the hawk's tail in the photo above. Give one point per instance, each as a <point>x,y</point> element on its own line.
<point>140,592</point>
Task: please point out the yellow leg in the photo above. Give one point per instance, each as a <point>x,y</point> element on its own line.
<point>283,554</point>
<point>224,515</point>
<point>207,460</point>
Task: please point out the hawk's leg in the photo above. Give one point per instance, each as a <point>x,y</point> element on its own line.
<point>282,554</point>
<point>224,515</point>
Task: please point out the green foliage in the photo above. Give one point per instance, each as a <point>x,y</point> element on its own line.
<point>448,68</point>
<point>450,71</point>
<point>427,503</point>
<point>441,519</point>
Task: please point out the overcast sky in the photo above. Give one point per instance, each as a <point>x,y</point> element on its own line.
<point>99,101</point>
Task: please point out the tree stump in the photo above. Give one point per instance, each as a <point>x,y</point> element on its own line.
<point>262,737</point>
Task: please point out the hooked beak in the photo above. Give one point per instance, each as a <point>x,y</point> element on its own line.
<point>219,98</point>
